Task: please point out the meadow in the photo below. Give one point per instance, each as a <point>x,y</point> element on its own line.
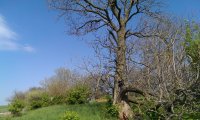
<point>94,111</point>
<point>3,109</point>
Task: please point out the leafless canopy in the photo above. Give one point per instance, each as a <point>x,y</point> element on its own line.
<point>91,15</point>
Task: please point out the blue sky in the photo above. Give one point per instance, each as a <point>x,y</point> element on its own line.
<point>33,42</point>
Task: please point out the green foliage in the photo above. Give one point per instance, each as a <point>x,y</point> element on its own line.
<point>46,100</point>
<point>191,116</point>
<point>55,100</point>
<point>154,115</point>
<point>147,110</point>
<point>37,99</point>
<point>34,100</point>
<point>70,115</point>
<point>192,49</point>
<point>3,109</point>
<point>78,95</point>
<point>188,113</point>
<point>85,112</point>
<point>16,107</point>
<point>192,45</point>
<point>111,110</point>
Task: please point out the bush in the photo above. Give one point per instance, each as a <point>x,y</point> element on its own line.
<point>34,99</point>
<point>70,115</point>
<point>60,82</point>
<point>46,100</point>
<point>55,100</point>
<point>37,99</point>
<point>111,110</point>
<point>16,107</point>
<point>78,95</point>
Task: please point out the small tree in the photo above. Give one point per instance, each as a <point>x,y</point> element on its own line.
<point>16,107</point>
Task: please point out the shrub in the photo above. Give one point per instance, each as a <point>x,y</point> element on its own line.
<point>60,82</point>
<point>46,100</point>
<point>78,95</point>
<point>34,99</point>
<point>16,107</point>
<point>70,115</point>
<point>55,100</point>
<point>111,110</point>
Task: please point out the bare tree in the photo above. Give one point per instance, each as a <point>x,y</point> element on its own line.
<point>118,18</point>
<point>58,84</point>
<point>163,68</point>
<point>97,73</point>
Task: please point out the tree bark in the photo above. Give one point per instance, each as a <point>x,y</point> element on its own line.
<point>120,83</point>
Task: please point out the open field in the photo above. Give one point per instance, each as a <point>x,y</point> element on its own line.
<point>3,109</point>
<point>85,112</point>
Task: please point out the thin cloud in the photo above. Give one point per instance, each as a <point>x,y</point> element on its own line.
<point>8,39</point>
<point>28,48</point>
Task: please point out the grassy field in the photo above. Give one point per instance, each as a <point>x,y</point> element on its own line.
<point>3,109</point>
<point>86,112</point>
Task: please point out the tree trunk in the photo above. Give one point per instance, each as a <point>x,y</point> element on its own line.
<point>96,93</point>
<point>120,83</point>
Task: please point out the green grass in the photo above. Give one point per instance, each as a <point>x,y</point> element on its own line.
<point>3,109</point>
<point>85,112</point>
